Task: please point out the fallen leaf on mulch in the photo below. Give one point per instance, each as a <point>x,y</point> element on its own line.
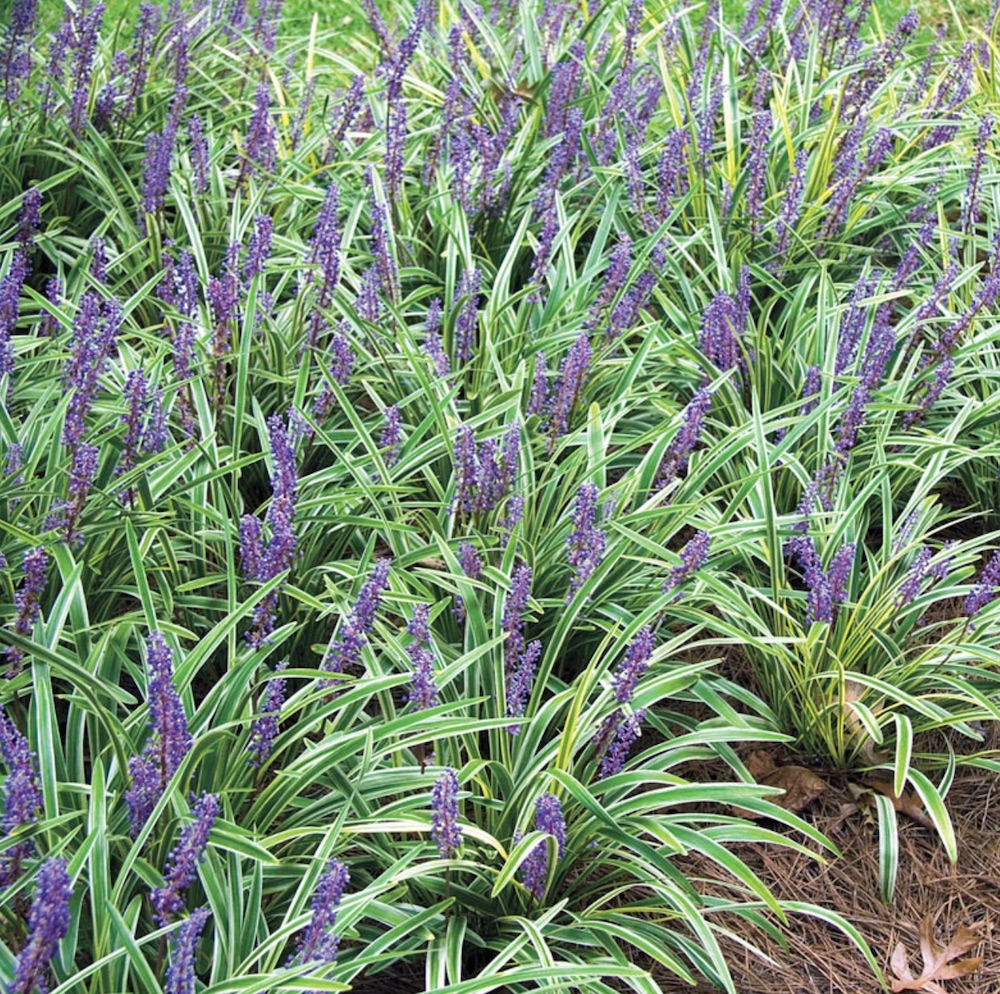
<point>937,959</point>
<point>908,804</point>
<point>801,786</point>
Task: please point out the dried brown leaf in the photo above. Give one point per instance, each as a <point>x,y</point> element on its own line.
<point>801,786</point>
<point>908,804</point>
<point>940,962</point>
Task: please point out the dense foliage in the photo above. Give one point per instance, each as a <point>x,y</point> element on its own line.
<point>425,451</point>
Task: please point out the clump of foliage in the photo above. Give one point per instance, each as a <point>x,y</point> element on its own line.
<point>402,431</point>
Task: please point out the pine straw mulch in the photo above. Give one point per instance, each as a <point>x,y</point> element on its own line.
<point>819,959</point>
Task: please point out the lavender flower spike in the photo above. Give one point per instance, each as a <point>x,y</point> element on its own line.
<point>22,797</point>
<point>548,818</point>
<point>26,600</point>
<point>390,440</point>
<point>265,727</point>
<point>170,741</point>
<point>694,555</point>
<point>346,651</point>
<point>445,830</point>
<point>986,589</point>
<point>423,691</point>
<point>317,943</point>
<point>182,863</point>
<point>48,923</point>
<point>180,973</point>
<point>618,750</point>
<point>635,663</point>
<point>585,545</point>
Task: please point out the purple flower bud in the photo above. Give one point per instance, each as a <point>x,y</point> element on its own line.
<point>180,973</point>
<point>971,213</point>
<point>423,691</point>
<point>318,944</point>
<point>432,339</point>
<point>390,440</point>
<point>694,555</point>
<point>48,923</point>
<point>672,170</point>
<point>445,829</point>
<point>346,651</point>
<point>852,325</point>
<point>22,797</point>
<point>182,863</point>
<point>535,868</point>
<point>265,726</point>
<point>586,543</point>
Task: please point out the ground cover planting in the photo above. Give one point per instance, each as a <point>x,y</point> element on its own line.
<point>491,494</point>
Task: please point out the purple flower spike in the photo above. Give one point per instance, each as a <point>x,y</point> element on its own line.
<point>624,738</point>
<point>694,555</point>
<point>182,863</point>
<point>265,726</point>
<point>261,147</point>
<point>15,54</point>
<point>723,326</point>
<point>445,829</point>
<point>515,604</point>
<point>986,589</point>
<point>675,459</point>
<point>22,797</point>
<point>970,215</point>
<point>519,685</point>
<point>468,559</point>
<point>27,601</point>
<point>535,868</point>
<point>169,742</point>
<point>199,152</point>
<point>910,587</point>
<point>432,339</point>
<point>467,320</point>
<point>390,440</point>
<point>586,543</point>
<point>569,389</point>
<point>539,399</point>
<point>635,663</point>
<point>259,246</point>
<point>346,651</point>
<point>180,973</point>
<point>423,689</point>
<point>324,249</point>
<point>318,944</point>
<point>48,923</point>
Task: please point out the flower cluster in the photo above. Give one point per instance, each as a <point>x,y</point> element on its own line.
<point>484,473</point>
<point>345,652</point>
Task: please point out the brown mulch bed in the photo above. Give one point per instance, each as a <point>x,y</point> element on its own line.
<point>821,960</point>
